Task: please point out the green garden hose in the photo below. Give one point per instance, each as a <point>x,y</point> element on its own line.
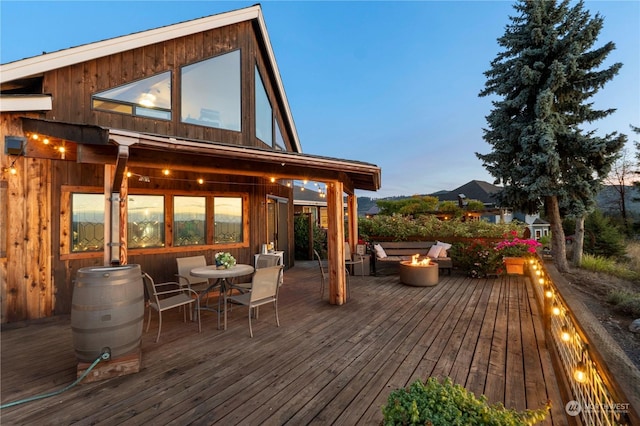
<point>104,356</point>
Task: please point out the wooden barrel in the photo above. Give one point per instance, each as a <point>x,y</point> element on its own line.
<point>107,311</point>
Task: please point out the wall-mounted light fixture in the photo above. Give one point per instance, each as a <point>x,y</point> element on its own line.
<point>14,145</point>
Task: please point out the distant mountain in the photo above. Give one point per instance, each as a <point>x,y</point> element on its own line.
<point>609,200</point>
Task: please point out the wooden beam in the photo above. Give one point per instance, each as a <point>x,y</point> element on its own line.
<point>81,133</point>
<point>335,240</point>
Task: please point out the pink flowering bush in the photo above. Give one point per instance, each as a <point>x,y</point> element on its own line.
<point>512,246</point>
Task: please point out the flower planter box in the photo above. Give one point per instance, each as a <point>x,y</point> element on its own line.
<point>515,265</point>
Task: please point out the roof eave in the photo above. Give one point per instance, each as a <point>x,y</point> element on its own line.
<point>25,103</point>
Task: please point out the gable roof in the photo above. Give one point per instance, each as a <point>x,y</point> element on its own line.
<point>473,190</point>
<point>37,65</point>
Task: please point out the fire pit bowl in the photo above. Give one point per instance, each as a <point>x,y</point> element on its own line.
<point>419,275</point>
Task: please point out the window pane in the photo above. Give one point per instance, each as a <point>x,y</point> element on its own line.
<point>211,92</point>
<point>264,121</point>
<point>87,223</point>
<point>280,145</point>
<point>189,221</point>
<point>151,96</point>
<point>146,221</point>
<point>227,219</point>
<point>112,107</point>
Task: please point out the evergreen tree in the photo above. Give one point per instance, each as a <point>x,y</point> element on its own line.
<point>543,79</point>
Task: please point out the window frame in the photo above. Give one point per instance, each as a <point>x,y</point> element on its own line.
<point>66,217</point>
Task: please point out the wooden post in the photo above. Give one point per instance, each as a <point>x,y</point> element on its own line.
<point>310,235</point>
<point>335,240</point>
<point>352,210</point>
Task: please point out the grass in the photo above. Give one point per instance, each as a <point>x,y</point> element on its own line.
<point>625,302</point>
<point>628,269</point>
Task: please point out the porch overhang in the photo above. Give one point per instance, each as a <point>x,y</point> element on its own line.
<point>100,145</point>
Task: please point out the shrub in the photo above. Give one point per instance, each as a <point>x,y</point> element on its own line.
<point>477,258</point>
<point>400,228</point>
<point>301,237</point>
<point>443,403</point>
<point>603,239</point>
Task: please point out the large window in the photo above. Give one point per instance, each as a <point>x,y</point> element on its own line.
<point>197,220</point>
<point>87,222</point>
<point>264,115</point>
<point>211,92</point>
<point>227,219</point>
<point>149,97</point>
<point>145,225</point>
<point>189,221</point>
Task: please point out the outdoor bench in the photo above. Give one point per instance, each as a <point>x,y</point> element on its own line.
<point>394,252</point>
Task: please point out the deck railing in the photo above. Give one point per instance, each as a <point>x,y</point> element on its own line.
<point>595,395</point>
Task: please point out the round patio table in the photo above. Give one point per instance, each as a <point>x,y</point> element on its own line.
<point>221,276</point>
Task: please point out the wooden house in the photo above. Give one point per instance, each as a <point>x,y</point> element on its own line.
<point>171,142</point>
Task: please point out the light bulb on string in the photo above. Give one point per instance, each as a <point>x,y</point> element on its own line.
<point>580,373</point>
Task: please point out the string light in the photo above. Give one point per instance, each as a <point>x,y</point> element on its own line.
<point>166,172</point>
<point>556,309</point>
<point>200,181</point>
<point>564,334</point>
<point>580,373</point>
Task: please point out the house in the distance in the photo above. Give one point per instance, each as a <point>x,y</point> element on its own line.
<point>312,202</point>
<point>486,193</point>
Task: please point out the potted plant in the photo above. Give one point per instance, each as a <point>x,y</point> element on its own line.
<point>514,251</point>
<point>438,403</point>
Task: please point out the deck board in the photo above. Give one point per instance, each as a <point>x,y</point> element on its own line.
<point>324,364</point>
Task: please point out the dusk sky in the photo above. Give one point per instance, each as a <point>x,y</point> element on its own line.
<point>390,83</point>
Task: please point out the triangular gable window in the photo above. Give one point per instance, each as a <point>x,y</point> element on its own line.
<point>211,92</point>
<point>149,97</point>
<point>264,114</point>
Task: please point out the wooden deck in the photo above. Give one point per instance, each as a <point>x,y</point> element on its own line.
<point>325,364</point>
